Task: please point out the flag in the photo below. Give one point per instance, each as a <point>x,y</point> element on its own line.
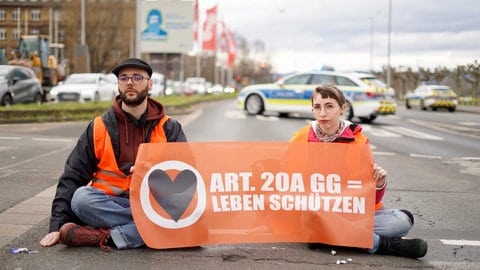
<point>229,43</point>
<point>195,21</point>
<point>210,30</point>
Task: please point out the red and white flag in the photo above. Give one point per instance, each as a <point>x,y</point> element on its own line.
<point>231,47</point>
<point>210,30</point>
<point>195,21</point>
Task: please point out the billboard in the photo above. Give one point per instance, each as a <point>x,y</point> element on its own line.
<point>164,26</point>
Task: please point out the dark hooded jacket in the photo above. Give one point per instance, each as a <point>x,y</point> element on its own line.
<point>127,133</point>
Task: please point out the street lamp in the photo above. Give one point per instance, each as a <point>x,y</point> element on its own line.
<point>371,44</point>
<point>389,69</point>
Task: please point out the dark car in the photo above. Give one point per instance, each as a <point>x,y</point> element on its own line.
<point>19,84</point>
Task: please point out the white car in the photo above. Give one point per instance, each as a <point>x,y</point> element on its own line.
<point>158,80</point>
<point>432,96</point>
<point>293,95</point>
<point>84,87</point>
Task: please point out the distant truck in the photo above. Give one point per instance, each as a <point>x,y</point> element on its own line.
<point>34,51</point>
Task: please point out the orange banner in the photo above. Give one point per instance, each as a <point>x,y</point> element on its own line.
<point>195,194</point>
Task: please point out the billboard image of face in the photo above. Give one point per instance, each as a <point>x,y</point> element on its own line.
<point>165,26</point>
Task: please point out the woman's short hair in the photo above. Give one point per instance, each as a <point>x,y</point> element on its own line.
<point>329,91</point>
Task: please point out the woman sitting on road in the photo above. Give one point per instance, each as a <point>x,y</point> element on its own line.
<point>328,104</point>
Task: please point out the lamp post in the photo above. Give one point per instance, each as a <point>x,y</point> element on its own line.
<point>389,69</point>
<point>371,44</point>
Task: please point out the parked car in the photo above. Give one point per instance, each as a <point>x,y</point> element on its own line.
<point>158,81</point>
<point>195,85</point>
<point>173,87</point>
<point>292,94</point>
<point>19,84</point>
<point>83,87</point>
<point>432,96</point>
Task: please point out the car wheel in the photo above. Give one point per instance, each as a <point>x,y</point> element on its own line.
<point>254,105</point>
<point>7,100</point>
<point>422,105</point>
<point>407,104</point>
<point>368,119</point>
<point>451,109</point>
<point>348,113</point>
<point>38,98</point>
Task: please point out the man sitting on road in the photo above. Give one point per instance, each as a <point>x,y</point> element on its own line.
<point>99,214</point>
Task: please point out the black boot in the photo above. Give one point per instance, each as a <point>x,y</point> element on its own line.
<point>396,246</point>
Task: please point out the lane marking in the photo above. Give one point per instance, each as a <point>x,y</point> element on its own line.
<point>51,140</point>
<point>413,133</point>
<point>379,132</point>
<point>230,114</point>
<point>384,153</point>
<point>425,156</point>
<point>10,138</point>
<point>37,157</point>
<point>266,118</point>
<point>460,242</point>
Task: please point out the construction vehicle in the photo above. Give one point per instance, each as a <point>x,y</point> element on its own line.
<point>34,51</point>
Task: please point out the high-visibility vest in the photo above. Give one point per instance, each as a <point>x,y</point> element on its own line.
<point>302,136</point>
<point>108,176</point>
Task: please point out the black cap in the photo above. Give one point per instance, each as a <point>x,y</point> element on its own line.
<point>133,62</point>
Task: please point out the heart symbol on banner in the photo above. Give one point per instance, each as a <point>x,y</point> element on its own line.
<point>173,196</point>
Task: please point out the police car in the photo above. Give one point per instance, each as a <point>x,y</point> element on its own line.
<point>292,94</point>
<point>432,96</point>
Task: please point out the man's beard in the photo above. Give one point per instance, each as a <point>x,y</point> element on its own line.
<point>141,96</point>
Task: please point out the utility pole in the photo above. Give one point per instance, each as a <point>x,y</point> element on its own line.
<point>81,55</point>
<point>389,68</point>
<point>371,44</point>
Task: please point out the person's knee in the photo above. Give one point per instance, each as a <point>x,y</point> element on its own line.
<point>82,198</point>
<point>405,221</point>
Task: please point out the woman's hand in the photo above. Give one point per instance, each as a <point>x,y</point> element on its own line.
<point>50,239</point>
<point>379,175</point>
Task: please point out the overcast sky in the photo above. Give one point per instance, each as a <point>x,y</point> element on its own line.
<point>305,34</point>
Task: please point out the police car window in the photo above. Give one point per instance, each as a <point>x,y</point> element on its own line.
<point>345,81</point>
<point>299,79</point>
<point>323,79</point>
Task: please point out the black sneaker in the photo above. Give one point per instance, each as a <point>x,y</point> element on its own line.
<point>396,246</point>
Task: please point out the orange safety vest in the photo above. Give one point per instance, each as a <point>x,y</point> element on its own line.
<point>108,176</point>
<point>302,136</point>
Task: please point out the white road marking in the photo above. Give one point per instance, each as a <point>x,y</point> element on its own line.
<point>413,133</point>
<point>471,124</point>
<point>383,153</point>
<point>10,138</point>
<point>266,118</point>
<point>460,242</point>
<point>379,132</point>
<point>34,158</point>
<point>425,156</point>
<point>51,140</point>
<point>231,114</point>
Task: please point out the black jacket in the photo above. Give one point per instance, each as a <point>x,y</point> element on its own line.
<point>82,163</point>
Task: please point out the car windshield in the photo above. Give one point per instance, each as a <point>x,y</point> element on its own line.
<point>375,81</point>
<point>80,80</point>
<point>442,90</point>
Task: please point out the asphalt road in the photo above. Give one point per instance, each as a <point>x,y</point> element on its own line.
<point>32,157</point>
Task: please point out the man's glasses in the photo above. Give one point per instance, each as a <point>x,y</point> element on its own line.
<point>136,79</point>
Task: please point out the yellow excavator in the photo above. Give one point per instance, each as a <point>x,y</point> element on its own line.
<point>34,51</point>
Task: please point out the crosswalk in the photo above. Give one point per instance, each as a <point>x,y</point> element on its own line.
<point>375,131</point>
